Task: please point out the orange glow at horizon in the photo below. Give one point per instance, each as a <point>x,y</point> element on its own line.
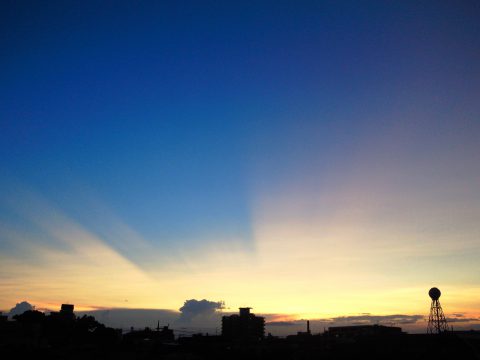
<point>317,254</point>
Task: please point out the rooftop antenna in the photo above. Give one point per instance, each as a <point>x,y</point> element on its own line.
<point>437,323</point>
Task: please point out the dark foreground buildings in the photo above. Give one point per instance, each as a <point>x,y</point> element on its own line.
<point>362,331</point>
<point>66,312</point>
<point>62,335</point>
<point>158,335</point>
<point>244,327</point>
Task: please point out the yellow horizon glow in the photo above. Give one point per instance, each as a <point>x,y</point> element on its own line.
<point>319,265</point>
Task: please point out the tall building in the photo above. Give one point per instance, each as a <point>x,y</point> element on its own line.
<point>67,309</point>
<point>245,326</point>
<point>65,313</point>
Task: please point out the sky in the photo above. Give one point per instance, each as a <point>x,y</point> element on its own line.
<point>310,159</point>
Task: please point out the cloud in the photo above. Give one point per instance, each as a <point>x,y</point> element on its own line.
<point>461,319</point>
<point>363,319</point>
<point>194,316</point>
<point>282,323</point>
<point>414,323</point>
<point>367,319</point>
<point>52,256</point>
<point>193,308</point>
<point>20,308</point>
<point>124,318</point>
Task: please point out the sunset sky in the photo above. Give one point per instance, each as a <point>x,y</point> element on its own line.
<point>310,159</point>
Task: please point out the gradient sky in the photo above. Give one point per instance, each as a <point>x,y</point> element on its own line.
<point>306,158</point>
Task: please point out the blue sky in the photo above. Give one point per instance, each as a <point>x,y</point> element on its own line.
<point>183,125</point>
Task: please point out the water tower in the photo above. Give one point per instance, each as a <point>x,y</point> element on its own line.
<point>436,321</point>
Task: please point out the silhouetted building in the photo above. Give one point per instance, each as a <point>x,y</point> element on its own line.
<point>65,313</point>
<point>164,333</point>
<point>305,333</point>
<point>245,326</point>
<point>147,335</point>
<point>67,309</point>
<point>362,330</point>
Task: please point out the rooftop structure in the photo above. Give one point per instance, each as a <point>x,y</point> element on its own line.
<point>67,308</point>
<point>245,326</point>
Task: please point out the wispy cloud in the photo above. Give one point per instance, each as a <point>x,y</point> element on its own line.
<point>368,319</point>
<point>461,318</point>
<point>364,319</point>
<point>282,323</point>
<point>61,260</point>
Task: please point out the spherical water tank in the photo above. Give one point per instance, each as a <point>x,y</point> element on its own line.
<point>434,293</point>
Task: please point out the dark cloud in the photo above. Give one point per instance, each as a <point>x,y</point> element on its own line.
<point>20,308</point>
<point>414,323</point>
<point>199,315</point>
<point>362,319</point>
<point>282,323</point>
<point>193,308</point>
<point>367,319</point>
<point>137,318</point>
<point>461,319</point>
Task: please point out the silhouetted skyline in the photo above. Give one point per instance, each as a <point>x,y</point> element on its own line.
<point>64,335</point>
<point>312,159</point>
<point>203,316</point>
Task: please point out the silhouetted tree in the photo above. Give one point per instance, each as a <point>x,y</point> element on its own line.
<point>87,323</point>
<point>30,317</point>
